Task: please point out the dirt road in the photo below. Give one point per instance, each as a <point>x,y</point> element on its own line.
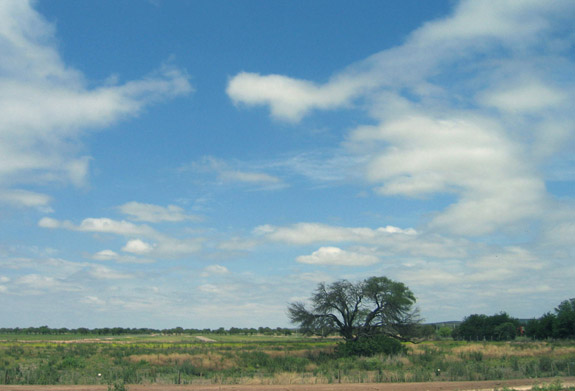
<point>522,384</point>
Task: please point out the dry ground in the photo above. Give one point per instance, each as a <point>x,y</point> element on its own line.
<point>524,384</point>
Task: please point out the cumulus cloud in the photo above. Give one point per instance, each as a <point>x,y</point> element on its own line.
<point>289,99</point>
<point>164,246</point>
<point>154,213</point>
<point>469,157</point>
<point>138,246</point>
<point>45,105</point>
<point>337,256</point>
<point>388,241</point>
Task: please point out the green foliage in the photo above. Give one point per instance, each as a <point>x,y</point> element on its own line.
<point>117,386</point>
<point>564,326</point>
<point>499,327</point>
<point>369,346</point>
<point>444,332</point>
<point>560,325</point>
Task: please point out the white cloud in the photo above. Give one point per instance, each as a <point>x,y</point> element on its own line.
<point>35,284</point>
<point>504,264</point>
<point>474,26</point>
<point>164,246</point>
<point>105,255</point>
<point>138,246</point>
<point>509,22</point>
<point>154,213</point>
<point>337,256</point>
<point>215,270</point>
<point>469,157</point>
<point>432,137</point>
<point>387,241</point>
<point>26,198</point>
<point>106,225</point>
<point>109,255</point>
<point>45,105</point>
<point>305,233</point>
<point>210,289</point>
<point>424,273</point>
<point>48,222</point>
<point>524,97</point>
<point>106,273</point>
<point>289,99</point>
<point>102,225</point>
<point>93,300</point>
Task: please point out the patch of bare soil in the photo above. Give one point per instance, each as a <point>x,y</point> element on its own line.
<point>524,384</point>
<point>205,339</point>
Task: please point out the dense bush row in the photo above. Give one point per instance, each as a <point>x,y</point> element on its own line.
<point>559,325</point>
<point>502,327</point>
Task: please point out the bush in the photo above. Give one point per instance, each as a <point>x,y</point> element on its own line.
<point>370,346</point>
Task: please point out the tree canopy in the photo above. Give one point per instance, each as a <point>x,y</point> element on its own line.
<point>560,325</point>
<point>374,306</point>
<point>499,327</point>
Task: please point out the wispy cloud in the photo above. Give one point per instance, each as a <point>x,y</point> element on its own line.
<point>155,213</point>
<point>305,233</point>
<point>26,198</point>
<point>437,132</point>
<point>46,106</point>
<point>227,173</point>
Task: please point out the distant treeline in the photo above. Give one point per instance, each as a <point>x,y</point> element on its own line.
<point>45,330</point>
<point>502,327</point>
<point>499,327</point>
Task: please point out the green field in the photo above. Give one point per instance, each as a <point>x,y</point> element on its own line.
<point>256,359</point>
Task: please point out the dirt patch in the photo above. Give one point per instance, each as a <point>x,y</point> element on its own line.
<point>524,384</point>
<point>205,339</point>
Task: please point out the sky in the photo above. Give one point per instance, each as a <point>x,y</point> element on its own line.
<point>205,163</point>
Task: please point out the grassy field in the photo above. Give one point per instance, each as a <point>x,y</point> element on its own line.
<point>242,359</point>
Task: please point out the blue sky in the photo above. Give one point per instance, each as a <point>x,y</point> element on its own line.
<point>205,163</point>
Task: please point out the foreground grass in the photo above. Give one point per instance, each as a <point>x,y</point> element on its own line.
<point>267,360</point>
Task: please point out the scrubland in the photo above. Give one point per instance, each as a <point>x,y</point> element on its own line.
<point>270,360</point>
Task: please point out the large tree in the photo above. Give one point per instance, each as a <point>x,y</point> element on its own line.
<point>376,305</point>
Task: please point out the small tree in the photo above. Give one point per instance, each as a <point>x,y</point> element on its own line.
<point>374,306</point>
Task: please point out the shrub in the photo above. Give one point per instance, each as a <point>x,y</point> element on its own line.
<point>370,346</point>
